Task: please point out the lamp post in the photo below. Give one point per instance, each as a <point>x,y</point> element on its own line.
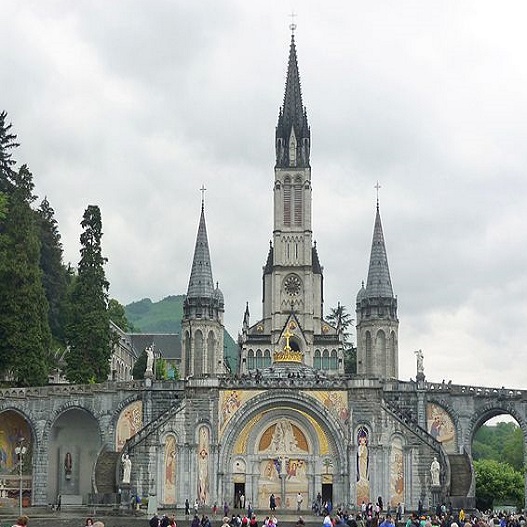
<point>20,451</point>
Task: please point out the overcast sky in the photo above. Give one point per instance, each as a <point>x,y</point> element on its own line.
<point>133,105</point>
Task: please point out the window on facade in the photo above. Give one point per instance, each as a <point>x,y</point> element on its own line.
<point>317,361</point>
<point>198,353</point>
<point>333,360</point>
<point>325,360</point>
<point>211,341</point>
<point>250,360</point>
<point>267,358</point>
<point>187,353</point>
<point>369,358</point>
<point>287,204</point>
<point>298,204</point>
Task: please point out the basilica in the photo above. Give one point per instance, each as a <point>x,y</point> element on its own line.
<point>289,421</point>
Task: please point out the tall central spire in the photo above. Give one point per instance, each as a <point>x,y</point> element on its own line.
<point>293,136</point>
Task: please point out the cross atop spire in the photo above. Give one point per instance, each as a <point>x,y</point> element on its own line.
<point>377,187</point>
<point>292,26</point>
<point>202,190</point>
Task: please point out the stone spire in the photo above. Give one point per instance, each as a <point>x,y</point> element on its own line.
<point>201,284</point>
<point>376,315</point>
<point>379,284</point>
<point>202,324</point>
<point>293,136</point>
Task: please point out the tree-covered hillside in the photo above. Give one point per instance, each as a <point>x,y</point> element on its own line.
<point>156,317</point>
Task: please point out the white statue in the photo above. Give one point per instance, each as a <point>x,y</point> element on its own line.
<point>435,469</point>
<point>149,360</point>
<point>420,363</point>
<point>127,469</point>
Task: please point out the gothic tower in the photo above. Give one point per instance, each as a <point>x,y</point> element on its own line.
<point>292,328</point>
<point>377,323</point>
<point>202,323</point>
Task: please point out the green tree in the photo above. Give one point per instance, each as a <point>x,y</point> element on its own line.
<point>497,484</point>
<point>3,206</point>
<point>7,143</point>
<point>88,331</point>
<point>117,315</point>
<point>160,368</point>
<point>25,337</point>
<point>341,319</point>
<point>55,276</point>
<point>139,368</point>
<point>502,442</point>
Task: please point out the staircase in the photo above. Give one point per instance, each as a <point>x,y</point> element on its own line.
<point>460,476</point>
<point>105,470</point>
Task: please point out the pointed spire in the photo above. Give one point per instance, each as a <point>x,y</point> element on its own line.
<point>201,284</point>
<point>292,131</point>
<point>379,283</point>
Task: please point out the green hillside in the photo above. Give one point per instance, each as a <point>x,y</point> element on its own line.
<point>156,317</point>
<point>165,317</point>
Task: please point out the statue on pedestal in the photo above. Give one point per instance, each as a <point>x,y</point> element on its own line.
<point>420,362</point>
<point>435,470</point>
<point>149,371</point>
<point>127,469</point>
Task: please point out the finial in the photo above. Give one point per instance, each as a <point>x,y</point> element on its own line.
<point>377,187</point>
<point>292,26</point>
<point>202,190</point>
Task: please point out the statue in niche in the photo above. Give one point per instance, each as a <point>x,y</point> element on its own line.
<point>68,465</point>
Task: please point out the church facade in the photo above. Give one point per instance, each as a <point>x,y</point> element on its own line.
<point>289,421</point>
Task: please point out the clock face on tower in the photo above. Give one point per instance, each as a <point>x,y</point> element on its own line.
<point>292,285</point>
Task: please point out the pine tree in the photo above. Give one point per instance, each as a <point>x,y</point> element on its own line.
<point>88,330</point>
<point>25,336</point>
<point>55,275</point>
<point>7,143</point>
<point>341,319</point>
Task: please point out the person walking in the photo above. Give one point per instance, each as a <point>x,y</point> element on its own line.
<point>299,500</point>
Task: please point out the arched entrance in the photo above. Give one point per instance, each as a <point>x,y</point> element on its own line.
<point>75,440</point>
<point>290,450</point>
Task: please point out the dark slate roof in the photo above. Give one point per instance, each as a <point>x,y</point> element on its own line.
<point>292,113</point>
<point>379,283</point>
<point>168,344</point>
<point>317,268</point>
<point>201,284</point>
<point>268,269</point>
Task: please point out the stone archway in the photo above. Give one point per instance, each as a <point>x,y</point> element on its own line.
<point>16,471</point>
<point>284,440</point>
<point>74,443</point>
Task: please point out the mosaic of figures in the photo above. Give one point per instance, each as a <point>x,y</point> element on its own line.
<point>363,465</point>
<point>396,473</point>
<point>441,427</point>
<point>203,464</point>
<point>13,430</point>
<point>284,445</point>
<point>230,402</point>
<point>129,423</point>
<point>170,471</point>
<point>335,402</point>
